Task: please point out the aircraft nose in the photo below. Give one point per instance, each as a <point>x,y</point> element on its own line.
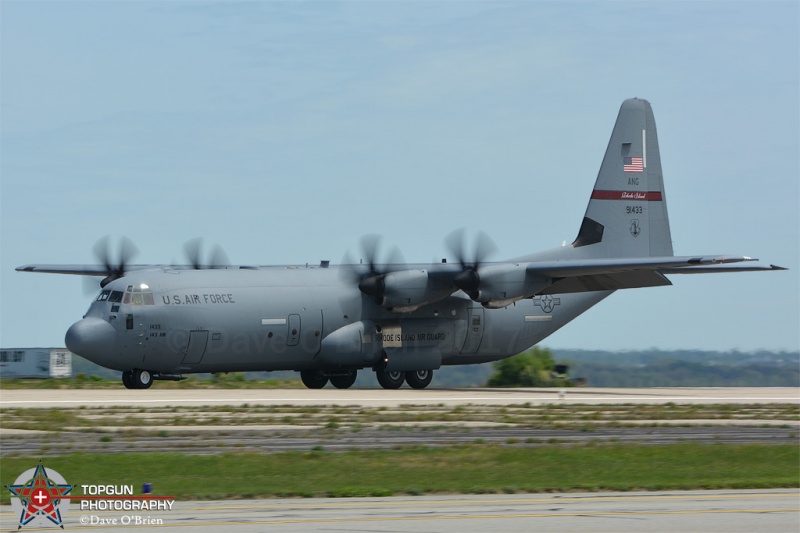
<point>91,338</point>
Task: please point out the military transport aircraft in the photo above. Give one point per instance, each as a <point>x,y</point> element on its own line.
<point>401,320</point>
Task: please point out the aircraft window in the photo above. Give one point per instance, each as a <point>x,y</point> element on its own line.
<point>103,296</point>
<point>139,295</point>
<point>116,297</point>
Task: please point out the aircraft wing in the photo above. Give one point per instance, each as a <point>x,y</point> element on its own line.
<point>78,270</point>
<point>81,270</point>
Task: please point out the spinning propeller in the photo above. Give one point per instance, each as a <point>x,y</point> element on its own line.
<point>194,254</point>
<point>371,274</point>
<point>115,265</point>
<point>469,279</point>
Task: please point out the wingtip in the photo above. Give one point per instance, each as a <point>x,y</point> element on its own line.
<point>776,267</point>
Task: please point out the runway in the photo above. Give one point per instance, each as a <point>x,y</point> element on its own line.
<point>688,511</point>
<point>743,511</point>
<point>48,398</point>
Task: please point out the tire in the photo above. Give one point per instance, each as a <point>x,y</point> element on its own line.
<point>313,379</point>
<point>345,381</point>
<point>419,379</point>
<point>141,379</point>
<point>127,379</point>
<point>390,380</point>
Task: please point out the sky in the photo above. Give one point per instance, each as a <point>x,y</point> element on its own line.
<point>285,131</point>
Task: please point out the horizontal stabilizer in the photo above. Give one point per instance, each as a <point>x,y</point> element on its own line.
<point>720,269</point>
<point>586,267</point>
<point>608,282</point>
<point>633,273</point>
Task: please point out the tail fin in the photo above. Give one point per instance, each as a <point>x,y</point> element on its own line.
<point>627,212</point>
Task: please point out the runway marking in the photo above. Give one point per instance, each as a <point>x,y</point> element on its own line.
<point>418,503</point>
<point>482,516</point>
<point>416,401</point>
<point>554,499</point>
<point>461,517</point>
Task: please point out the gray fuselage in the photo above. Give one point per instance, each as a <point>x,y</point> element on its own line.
<point>299,318</point>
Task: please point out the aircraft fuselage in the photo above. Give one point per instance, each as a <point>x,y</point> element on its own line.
<point>297,318</point>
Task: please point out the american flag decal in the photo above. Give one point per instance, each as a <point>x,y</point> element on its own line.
<point>632,164</point>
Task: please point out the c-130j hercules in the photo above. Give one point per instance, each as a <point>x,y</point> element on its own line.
<point>401,320</point>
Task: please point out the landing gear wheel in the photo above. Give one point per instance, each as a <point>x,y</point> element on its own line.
<point>313,379</point>
<point>419,379</point>
<point>346,381</point>
<point>127,379</point>
<point>390,380</point>
<point>141,379</point>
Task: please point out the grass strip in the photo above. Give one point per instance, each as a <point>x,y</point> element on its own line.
<point>475,468</point>
<point>534,416</point>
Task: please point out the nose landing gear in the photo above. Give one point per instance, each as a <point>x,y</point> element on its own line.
<point>137,379</point>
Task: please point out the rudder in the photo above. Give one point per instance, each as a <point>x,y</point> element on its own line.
<point>627,212</point>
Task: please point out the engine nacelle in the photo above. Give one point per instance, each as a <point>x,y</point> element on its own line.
<point>407,290</point>
<point>503,284</point>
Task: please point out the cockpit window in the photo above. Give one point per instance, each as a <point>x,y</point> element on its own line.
<point>106,295</point>
<point>116,297</point>
<point>138,295</point>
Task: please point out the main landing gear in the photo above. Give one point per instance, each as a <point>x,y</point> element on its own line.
<point>416,379</point>
<point>390,380</point>
<point>317,379</point>
<point>419,379</point>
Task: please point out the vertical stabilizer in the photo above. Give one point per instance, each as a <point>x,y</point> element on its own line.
<point>627,212</point>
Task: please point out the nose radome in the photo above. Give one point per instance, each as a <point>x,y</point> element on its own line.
<point>91,338</point>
